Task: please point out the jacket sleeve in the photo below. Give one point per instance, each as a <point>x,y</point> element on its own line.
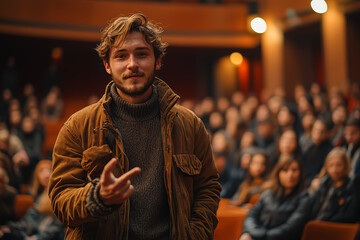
<point>68,186</point>
<point>206,189</point>
<point>251,222</point>
<point>295,222</point>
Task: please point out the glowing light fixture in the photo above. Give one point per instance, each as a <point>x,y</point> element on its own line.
<point>236,58</point>
<point>258,25</point>
<point>319,6</point>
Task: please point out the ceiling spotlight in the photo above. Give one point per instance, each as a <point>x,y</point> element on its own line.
<point>319,6</point>
<point>258,25</point>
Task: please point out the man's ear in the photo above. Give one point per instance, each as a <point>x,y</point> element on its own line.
<point>158,63</point>
<point>107,67</point>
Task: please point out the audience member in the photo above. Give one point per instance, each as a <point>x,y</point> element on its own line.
<point>338,117</point>
<point>7,199</point>
<point>287,146</point>
<point>264,136</point>
<point>335,199</point>
<point>352,137</point>
<point>314,157</point>
<point>283,209</point>
<point>39,221</point>
<point>253,181</point>
<point>307,122</point>
<point>32,140</point>
<point>52,106</point>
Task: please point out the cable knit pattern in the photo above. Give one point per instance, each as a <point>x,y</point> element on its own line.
<point>94,204</point>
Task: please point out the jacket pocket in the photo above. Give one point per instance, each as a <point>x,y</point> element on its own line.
<point>188,163</point>
<point>186,168</point>
<point>95,158</point>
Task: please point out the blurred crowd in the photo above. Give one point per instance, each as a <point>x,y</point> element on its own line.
<point>24,165</point>
<point>299,159</point>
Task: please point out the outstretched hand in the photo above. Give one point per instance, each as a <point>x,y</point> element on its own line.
<point>114,190</point>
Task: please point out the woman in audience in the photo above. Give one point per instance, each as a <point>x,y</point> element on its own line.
<point>39,221</point>
<point>335,199</point>
<point>282,210</point>
<point>253,181</point>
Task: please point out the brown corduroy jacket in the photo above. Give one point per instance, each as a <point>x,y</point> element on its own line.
<point>82,149</point>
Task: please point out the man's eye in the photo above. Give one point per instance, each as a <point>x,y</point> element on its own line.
<point>142,54</point>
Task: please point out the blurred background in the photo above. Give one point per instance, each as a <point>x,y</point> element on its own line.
<point>51,43</point>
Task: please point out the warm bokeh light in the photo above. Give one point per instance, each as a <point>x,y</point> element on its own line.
<point>236,58</point>
<point>319,6</point>
<point>56,53</point>
<point>258,25</point>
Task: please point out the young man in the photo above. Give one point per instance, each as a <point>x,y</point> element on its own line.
<point>135,165</point>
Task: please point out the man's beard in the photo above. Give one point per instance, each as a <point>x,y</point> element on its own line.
<point>138,92</point>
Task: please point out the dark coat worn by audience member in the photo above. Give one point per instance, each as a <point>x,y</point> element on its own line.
<point>278,218</point>
<point>35,223</point>
<point>336,204</point>
<point>314,159</point>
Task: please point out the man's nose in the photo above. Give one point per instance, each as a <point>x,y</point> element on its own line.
<point>132,62</point>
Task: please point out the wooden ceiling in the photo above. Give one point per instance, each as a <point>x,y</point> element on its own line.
<point>185,23</point>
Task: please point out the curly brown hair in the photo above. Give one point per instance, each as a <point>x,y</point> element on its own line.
<point>119,28</point>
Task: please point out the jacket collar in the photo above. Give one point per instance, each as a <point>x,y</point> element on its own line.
<point>167,97</point>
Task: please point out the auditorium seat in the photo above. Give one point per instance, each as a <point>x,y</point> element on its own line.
<point>22,204</point>
<point>315,230</point>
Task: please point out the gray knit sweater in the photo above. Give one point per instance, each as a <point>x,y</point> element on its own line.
<point>139,125</point>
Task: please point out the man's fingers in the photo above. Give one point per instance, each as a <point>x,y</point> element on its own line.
<point>106,174</point>
<point>127,176</point>
<point>130,174</point>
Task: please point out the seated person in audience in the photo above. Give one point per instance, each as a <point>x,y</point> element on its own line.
<point>287,119</point>
<point>39,221</point>
<point>265,136</point>
<point>321,107</point>
<point>335,198</point>
<point>32,140</point>
<point>52,105</point>
<point>282,211</point>
<point>253,181</point>
<point>305,104</point>
<point>287,147</point>
<point>314,157</point>
<point>6,164</point>
<point>352,137</point>
<point>7,198</point>
<point>221,150</point>
<point>338,117</point>
<point>237,171</point>
<point>15,117</point>
<point>307,123</point>
<point>40,179</point>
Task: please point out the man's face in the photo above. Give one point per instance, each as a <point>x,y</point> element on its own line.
<point>352,134</point>
<point>319,133</point>
<point>132,65</point>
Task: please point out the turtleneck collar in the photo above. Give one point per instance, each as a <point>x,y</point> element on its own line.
<point>134,112</point>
